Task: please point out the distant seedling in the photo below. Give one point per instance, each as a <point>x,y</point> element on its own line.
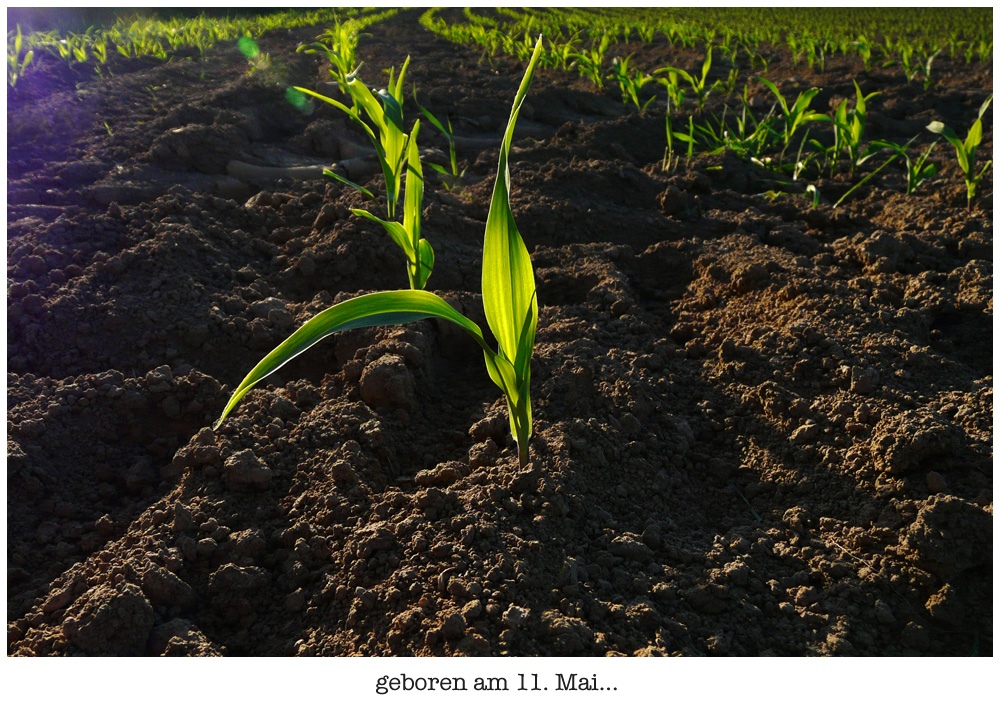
<point>965,150</point>
<point>393,148</point>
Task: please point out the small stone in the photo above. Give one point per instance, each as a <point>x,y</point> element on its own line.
<point>182,518</point>
<point>805,433</point>
<point>630,546</point>
<point>110,621</point>
<point>206,547</point>
<point>295,601</point>
<point>244,471</point>
<point>915,636</point>
<point>651,537</point>
<point>442,475</point>
<point>883,613</point>
<point>453,627</point>
<point>388,382</point>
<point>796,517</point>
<point>936,483</point>
<point>515,617</point>
<point>59,599</point>
<point>945,605</point>
<point>472,610</point>
<point>167,589</point>
<point>306,266</point>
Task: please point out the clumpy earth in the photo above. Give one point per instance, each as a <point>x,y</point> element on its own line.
<point>760,428</point>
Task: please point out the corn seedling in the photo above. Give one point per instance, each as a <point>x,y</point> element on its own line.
<point>926,68</point>
<point>17,62</point>
<point>918,170</point>
<point>864,49</point>
<point>813,192</point>
<point>698,85</point>
<point>393,148</point>
<point>631,81</point>
<point>669,161</point>
<point>965,150</point>
<point>338,44</point>
<point>799,113</point>
<point>849,130</point>
<point>509,300</point>
<point>688,138</point>
<point>590,62</point>
<point>387,116</point>
<point>816,55</point>
<point>671,81</point>
<point>419,254</point>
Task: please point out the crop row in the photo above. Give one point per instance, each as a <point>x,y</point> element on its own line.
<point>904,37</point>
<point>582,40</point>
<point>164,39</point>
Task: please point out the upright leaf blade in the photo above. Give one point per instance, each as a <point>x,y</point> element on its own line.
<point>508,280</point>
<point>414,197</point>
<point>509,287</point>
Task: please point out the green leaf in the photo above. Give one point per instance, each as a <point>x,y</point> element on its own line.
<point>941,129</point>
<point>774,90</point>
<point>508,280</point>
<point>430,116</point>
<point>986,104</point>
<point>425,256</point>
<point>333,175</point>
<point>374,309</point>
<point>414,199</point>
<point>975,137</point>
<point>394,229</point>
<point>391,108</point>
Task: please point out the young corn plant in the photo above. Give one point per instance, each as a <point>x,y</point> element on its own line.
<point>338,44</point>
<point>393,148</point>
<point>387,116</point>
<point>671,81</point>
<point>591,61</point>
<point>631,81</point>
<point>918,170</point>
<point>799,113</point>
<point>509,300</point>
<point>965,150</point>
<point>419,254</point>
<point>17,62</point>
<point>849,130</point>
<point>669,161</point>
<point>699,86</point>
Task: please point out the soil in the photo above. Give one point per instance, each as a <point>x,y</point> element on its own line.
<point>760,428</point>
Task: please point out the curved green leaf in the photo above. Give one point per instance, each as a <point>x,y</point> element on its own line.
<point>387,308</point>
<point>394,229</point>
<point>340,178</point>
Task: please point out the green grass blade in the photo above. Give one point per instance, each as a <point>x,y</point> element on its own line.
<point>374,309</point>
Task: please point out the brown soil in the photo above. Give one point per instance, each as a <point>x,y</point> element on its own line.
<point>761,428</point>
